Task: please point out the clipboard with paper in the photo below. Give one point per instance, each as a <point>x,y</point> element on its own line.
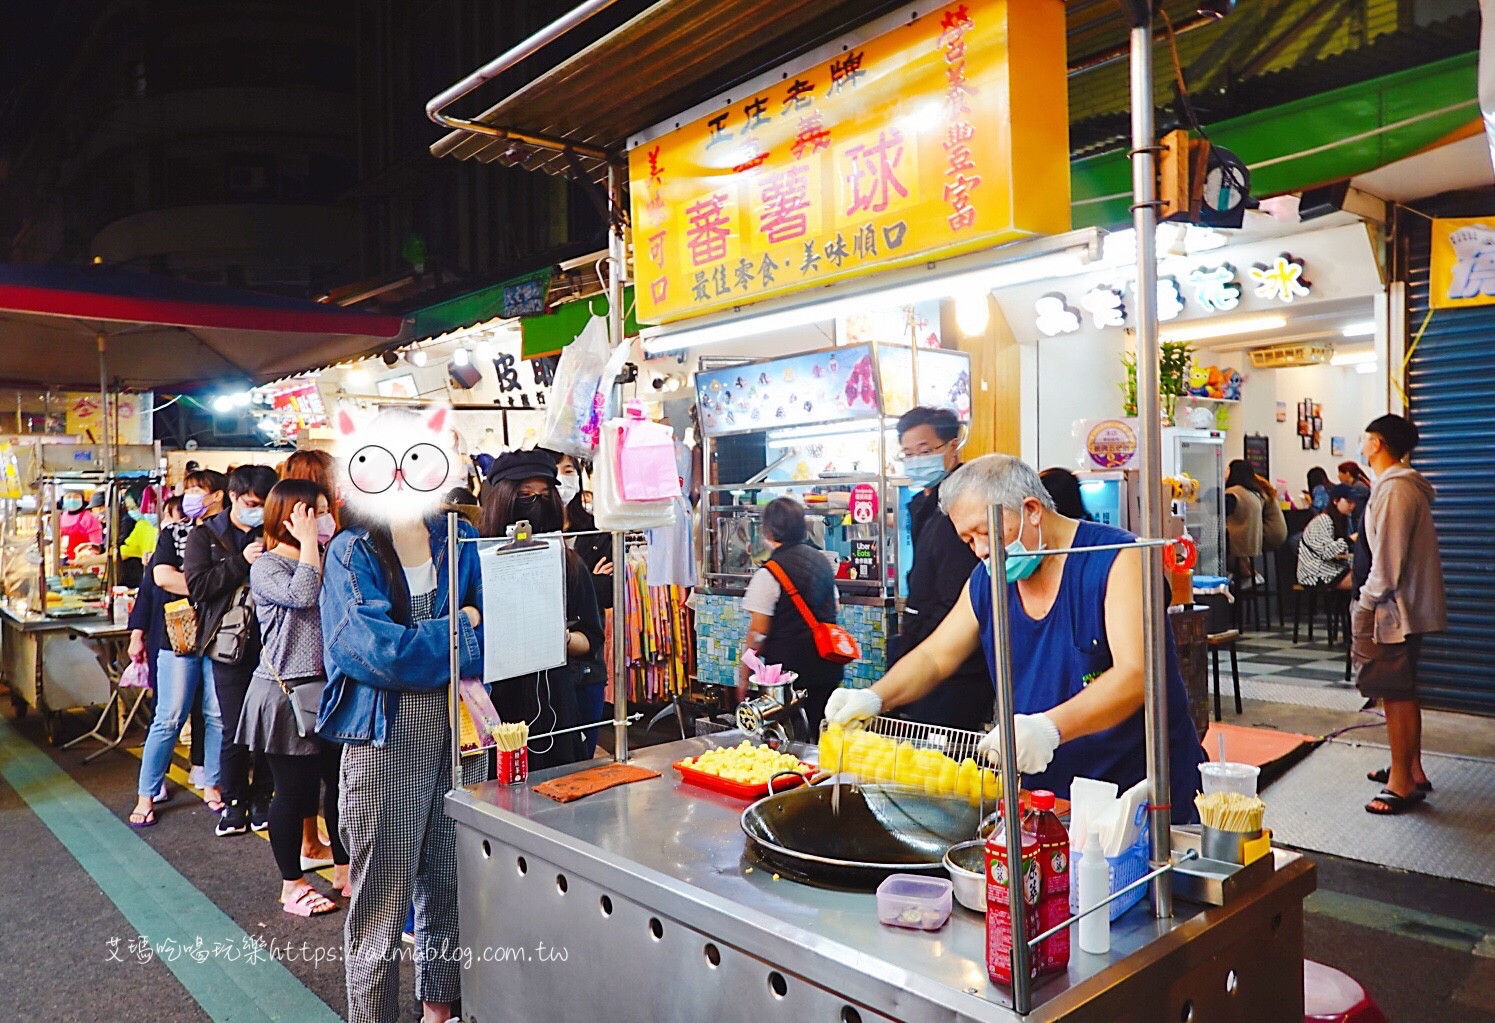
<point>524,606</point>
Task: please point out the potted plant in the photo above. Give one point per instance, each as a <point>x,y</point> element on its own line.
<point>1175,358</point>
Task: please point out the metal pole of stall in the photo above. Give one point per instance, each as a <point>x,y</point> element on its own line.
<point>1154,654</point>
<point>1012,825</point>
<point>617,254</point>
<point>454,633</point>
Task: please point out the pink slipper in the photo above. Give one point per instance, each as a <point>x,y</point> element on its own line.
<point>308,902</point>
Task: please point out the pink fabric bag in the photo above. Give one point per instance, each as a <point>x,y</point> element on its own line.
<point>646,458</point>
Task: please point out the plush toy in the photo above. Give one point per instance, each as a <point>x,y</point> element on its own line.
<point>1233,382</point>
<point>1199,381</point>
<point>1215,387</point>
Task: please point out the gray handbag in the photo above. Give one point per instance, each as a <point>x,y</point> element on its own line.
<point>306,700</point>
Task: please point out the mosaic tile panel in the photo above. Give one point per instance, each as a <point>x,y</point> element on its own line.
<point>721,624</point>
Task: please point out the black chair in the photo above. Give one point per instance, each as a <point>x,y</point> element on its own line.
<point>1253,600</point>
<point>1222,637</point>
<point>1336,605</point>
<point>1225,640</point>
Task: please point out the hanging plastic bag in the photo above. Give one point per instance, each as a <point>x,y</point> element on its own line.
<point>609,507</point>
<point>578,395</point>
<point>137,675</point>
<point>646,458</point>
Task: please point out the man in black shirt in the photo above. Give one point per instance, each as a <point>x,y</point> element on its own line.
<point>216,564</point>
<point>942,564</point>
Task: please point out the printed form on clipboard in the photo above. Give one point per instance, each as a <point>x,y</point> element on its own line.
<point>524,607</point>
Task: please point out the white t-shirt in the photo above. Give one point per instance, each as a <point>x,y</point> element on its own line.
<point>763,593</point>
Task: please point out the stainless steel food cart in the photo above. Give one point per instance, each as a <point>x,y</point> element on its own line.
<point>641,903</point>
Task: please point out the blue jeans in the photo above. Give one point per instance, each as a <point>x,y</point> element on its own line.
<point>177,682</point>
<point>590,702</point>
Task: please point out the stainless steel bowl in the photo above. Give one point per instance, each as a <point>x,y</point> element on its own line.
<point>966,865</point>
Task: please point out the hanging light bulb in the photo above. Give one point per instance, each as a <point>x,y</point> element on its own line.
<point>461,357</point>
<point>417,357</point>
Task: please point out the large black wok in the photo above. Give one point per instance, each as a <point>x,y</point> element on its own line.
<point>880,830</point>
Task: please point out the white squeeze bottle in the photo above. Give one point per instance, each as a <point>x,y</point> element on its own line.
<point>1095,885</point>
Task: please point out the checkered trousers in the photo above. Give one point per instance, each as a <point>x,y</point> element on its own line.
<point>402,846</point>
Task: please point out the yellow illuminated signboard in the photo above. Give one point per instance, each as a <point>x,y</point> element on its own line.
<point>945,135</point>
<point>1463,266</point>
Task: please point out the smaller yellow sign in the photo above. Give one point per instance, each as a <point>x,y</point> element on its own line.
<point>1463,266</point>
<point>85,417</point>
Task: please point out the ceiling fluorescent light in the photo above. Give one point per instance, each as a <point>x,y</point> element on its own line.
<point>1354,357</point>
<point>1363,329</point>
<point>1365,368</point>
<point>1067,262</point>
<point>1208,329</point>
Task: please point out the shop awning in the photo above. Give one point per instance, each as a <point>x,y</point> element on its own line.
<point>162,333</point>
<point>679,52</point>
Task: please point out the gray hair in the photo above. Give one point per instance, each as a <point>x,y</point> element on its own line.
<point>995,479</point>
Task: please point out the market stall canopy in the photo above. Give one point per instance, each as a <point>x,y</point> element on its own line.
<point>165,333</point>
<point>678,52</point>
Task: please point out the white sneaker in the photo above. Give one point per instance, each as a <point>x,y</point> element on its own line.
<point>1259,581</point>
<point>195,777</point>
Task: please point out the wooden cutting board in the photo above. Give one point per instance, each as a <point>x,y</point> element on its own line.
<point>597,779</point>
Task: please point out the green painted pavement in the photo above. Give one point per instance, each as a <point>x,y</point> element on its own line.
<point>240,984</point>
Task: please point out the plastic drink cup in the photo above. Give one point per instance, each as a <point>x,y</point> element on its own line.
<point>1229,777</point>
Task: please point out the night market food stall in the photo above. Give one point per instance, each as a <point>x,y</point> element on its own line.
<point>817,426</point>
<point>125,335</point>
<point>893,148</point>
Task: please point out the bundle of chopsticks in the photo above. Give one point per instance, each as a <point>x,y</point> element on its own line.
<point>1231,811</point>
<point>511,737</point>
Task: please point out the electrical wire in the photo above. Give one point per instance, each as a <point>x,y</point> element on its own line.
<point>1186,102</point>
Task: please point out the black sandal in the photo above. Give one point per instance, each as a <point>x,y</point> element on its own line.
<point>1394,803</point>
<point>1382,776</point>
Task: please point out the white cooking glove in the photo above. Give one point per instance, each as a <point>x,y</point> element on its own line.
<point>848,705</point>
<point>1037,738</point>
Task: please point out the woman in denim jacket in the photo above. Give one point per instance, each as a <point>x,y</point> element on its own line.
<point>385,634</point>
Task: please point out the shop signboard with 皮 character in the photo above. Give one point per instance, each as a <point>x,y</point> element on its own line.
<point>944,135</point>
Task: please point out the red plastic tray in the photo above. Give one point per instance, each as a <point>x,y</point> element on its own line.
<point>740,790</point>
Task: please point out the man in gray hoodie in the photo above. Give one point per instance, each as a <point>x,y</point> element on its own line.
<point>1400,602</point>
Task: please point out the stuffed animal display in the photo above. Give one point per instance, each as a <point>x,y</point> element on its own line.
<point>1214,382</point>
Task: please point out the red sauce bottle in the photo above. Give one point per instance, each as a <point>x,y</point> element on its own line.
<point>1053,868</point>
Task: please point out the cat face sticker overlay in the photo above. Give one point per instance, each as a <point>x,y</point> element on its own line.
<point>397,464</point>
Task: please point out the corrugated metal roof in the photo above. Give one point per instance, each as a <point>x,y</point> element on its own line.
<point>680,52</point>
<point>1387,54</point>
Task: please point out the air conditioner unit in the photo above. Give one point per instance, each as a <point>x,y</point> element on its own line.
<point>1300,353</point>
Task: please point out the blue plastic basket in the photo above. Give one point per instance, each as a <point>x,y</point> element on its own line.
<point>1125,869</point>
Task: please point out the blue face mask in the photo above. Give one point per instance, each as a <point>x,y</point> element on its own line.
<point>925,470</point>
<point>1021,564</point>
<point>252,517</point>
<point>151,517</point>
<point>72,504</point>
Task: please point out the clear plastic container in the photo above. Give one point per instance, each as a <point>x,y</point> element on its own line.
<point>909,900</point>
<point>1229,777</point>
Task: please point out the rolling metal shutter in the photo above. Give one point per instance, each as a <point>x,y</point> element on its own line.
<point>1451,391</point>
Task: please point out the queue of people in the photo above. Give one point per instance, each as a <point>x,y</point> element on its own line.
<point>318,666</point>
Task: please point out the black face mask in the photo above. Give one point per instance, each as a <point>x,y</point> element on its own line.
<point>539,511</point>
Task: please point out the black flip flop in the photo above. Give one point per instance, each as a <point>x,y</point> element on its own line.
<point>1394,803</point>
<point>1382,776</point>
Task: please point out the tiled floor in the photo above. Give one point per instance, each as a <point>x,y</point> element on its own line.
<point>1275,669</point>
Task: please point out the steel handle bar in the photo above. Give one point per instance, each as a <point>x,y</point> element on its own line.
<point>1144,879</point>
<point>1050,552</point>
<point>582,728</point>
<point>536,536</point>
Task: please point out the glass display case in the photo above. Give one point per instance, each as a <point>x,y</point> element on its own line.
<point>819,426</point>
<point>36,574</point>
